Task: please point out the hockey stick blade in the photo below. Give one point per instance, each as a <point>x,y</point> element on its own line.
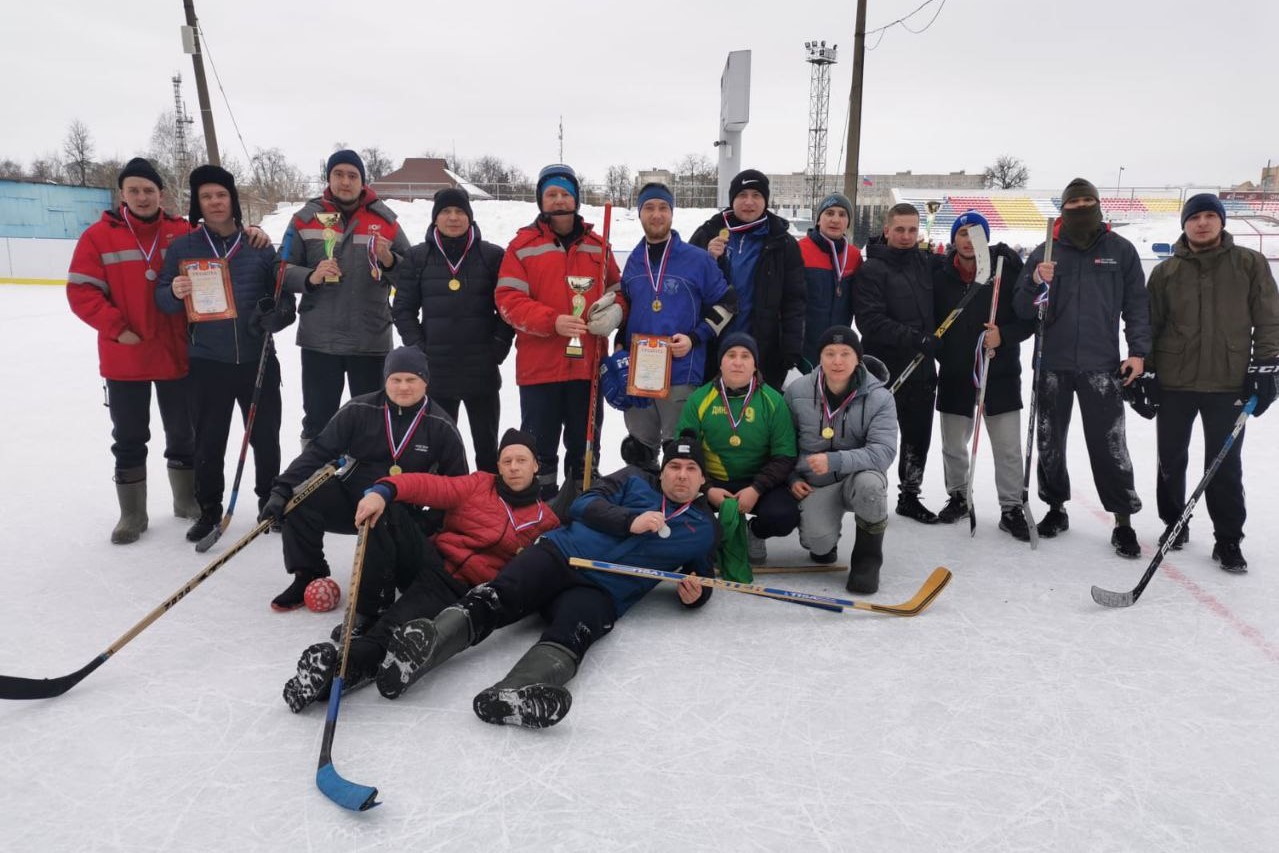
<point>920,601</point>
<point>213,535</point>
<point>15,687</point>
<point>347,794</point>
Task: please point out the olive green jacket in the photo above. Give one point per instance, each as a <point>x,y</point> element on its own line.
<point>1211,312</point>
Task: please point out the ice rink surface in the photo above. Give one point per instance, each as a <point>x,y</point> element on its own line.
<point>1015,714</point>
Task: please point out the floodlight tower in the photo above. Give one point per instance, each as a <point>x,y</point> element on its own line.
<point>181,121</point>
<point>821,58</point>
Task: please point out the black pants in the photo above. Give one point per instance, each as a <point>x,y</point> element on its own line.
<point>776,512</point>
<point>915,400</point>
<point>322,378</point>
<point>1101,407</point>
<point>216,389</point>
<point>540,580</point>
<point>546,411</point>
<point>1224,494</point>
<point>329,509</point>
<point>130,406</point>
<point>483,413</point>
<point>399,556</point>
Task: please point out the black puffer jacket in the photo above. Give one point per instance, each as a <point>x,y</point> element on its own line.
<point>780,296</point>
<point>956,394</point>
<point>893,306</point>
<point>463,336</point>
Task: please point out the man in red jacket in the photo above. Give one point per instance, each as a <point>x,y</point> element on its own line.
<point>488,520</point>
<point>557,327</point>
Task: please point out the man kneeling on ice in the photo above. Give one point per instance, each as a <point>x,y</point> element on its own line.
<point>655,521</point>
<point>487,520</point>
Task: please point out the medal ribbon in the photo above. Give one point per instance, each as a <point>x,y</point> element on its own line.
<point>454,267</point>
<point>979,362</point>
<point>235,247</point>
<point>827,413</point>
<point>661,268</point>
<point>723,393</point>
<point>398,450</point>
<point>154,243</point>
<point>541,509</point>
<point>375,271</point>
<point>839,263</point>
<point>677,512</point>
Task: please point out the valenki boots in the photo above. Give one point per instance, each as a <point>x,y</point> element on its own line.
<point>131,491</point>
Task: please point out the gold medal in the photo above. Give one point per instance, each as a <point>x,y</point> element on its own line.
<point>735,440</point>
<point>454,284</point>
<point>395,469</point>
<point>828,432</point>
<point>657,305</point>
<point>723,233</point>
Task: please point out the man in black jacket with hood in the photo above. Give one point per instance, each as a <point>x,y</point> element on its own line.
<point>762,262</point>
<point>444,306</point>
<point>893,304</point>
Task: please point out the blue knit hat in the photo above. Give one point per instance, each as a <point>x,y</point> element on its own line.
<point>558,175</point>
<point>835,200</point>
<point>1201,202</point>
<point>966,219</point>
<point>739,339</point>
<point>350,158</point>
<point>653,190</point>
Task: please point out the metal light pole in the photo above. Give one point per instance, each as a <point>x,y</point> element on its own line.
<point>1119,180</point>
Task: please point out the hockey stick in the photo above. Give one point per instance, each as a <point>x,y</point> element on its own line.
<point>216,533</point>
<point>980,411</point>
<point>941,330</point>
<point>1032,528</point>
<point>348,795</point>
<point>1107,598</point>
<point>14,687</point>
<point>918,602</point>
<point>597,344</point>
<point>808,568</point>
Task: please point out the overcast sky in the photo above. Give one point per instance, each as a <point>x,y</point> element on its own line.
<point>1173,91</point>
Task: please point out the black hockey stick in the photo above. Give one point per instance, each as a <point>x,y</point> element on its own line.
<point>15,687</point>
<point>346,794</point>
<point>968,296</point>
<point>1031,527</point>
<point>1107,598</point>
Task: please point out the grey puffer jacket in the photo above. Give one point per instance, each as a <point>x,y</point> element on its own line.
<point>865,431</point>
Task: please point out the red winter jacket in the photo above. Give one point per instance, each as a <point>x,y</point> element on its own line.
<point>532,292</point>
<point>478,538</point>
<point>108,289</point>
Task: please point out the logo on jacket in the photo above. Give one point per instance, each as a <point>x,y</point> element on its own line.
<point>375,227</point>
<point>1105,262</point>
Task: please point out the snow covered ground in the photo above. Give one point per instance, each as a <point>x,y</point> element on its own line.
<point>1015,714</point>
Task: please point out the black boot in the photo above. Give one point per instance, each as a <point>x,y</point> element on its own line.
<point>1055,521</point>
<point>955,509</point>
<point>533,694</point>
<point>210,518</point>
<point>635,452</point>
<point>1228,554</point>
<point>419,646</point>
<point>866,560</point>
<point>1183,536</point>
<point>1013,521</point>
<point>131,492</point>
<point>1124,540</point>
<point>317,668</point>
<point>295,596</point>
<point>909,506</point>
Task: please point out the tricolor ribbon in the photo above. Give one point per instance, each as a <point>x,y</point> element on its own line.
<point>398,449</point>
<point>235,247</point>
<point>541,510</point>
<point>723,393</point>
<point>454,267</point>
<point>661,268</point>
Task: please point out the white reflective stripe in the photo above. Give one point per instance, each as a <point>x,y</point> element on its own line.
<point>311,233</point>
<point>79,278</point>
<point>589,249</point>
<point>513,283</point>
<point>532,251</point>
<point>122,257</point>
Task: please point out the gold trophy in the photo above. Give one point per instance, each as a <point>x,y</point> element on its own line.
<point>329,221</point>
<point>932,207</point>
<point>579,284</point>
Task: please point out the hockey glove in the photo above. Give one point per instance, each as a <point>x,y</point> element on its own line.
<point>605,315</point>
<point>926,345</point>
<point>1260,380</point>
<point>273,510</point>
<point>268,318</point>
<point>1142,394</point>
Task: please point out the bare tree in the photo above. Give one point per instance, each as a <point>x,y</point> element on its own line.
<point>617,184</point>
<point>1008,173</point>
<point>377,162</point>
<point>274,178</point>
<point>451,161</point>
<point>47,169</point>
<point>105,172</point>
<point>696,181</point>
<point>174,162</point>
<point>77,145</point>
<point>11,170</point>
<point>496,176</point>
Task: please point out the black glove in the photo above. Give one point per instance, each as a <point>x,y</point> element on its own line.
<point>1143,394</point>
<point>273,510</point>
<point>1260,380</point>
<point>926,345</point>
<point>267,320</point>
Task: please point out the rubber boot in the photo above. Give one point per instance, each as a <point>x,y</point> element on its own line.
<point>131,491</point>
<point>868,556</point>
<point>533,694</point>
<point>182,482</point>
<point>419,646</point>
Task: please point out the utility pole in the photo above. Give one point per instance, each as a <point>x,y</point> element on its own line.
<point>855,107</point>
<point>191,44</point>
<point>561,139</point>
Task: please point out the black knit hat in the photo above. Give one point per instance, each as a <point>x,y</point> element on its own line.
<point>750,179</point>
<point>452,197</point>
<point>213,175</point>
<point>739,339</point>
<point>1201,202</point>
<point>139,167</point>
<point>350,158</point>
<point>840,335</point>
<point>684,446</point>
<point>514,436</point>
<point>1079,188</point>
<point>406,360</point>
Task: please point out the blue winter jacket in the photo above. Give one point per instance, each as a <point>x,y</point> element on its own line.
<point>692,288</point>
<point>252,278</point>
<point>600,529</point>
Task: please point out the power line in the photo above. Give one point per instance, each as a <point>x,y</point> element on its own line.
<point>881,31</point>
<point>225,100</point>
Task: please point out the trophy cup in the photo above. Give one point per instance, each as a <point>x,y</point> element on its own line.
<point>932,207</point>
<point>579,284</point>
<point>329,221</point>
